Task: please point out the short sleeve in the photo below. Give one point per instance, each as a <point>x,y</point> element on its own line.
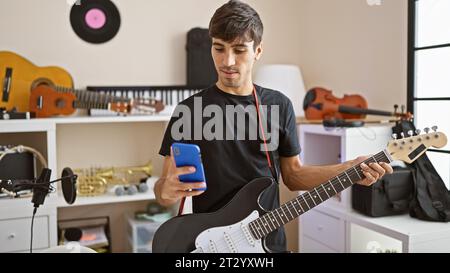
<point>289,143</point>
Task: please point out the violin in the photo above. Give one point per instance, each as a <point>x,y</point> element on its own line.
<point>321,104</point>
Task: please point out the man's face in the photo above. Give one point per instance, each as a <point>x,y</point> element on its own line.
<point>234,61</point>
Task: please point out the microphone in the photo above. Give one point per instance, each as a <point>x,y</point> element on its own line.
<point>42,186</point>
<point>69,185</point>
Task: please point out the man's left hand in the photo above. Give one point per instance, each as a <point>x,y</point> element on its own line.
<point>372,171</point>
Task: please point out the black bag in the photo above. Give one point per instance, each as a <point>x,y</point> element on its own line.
<point>200,65</point>
<point>431,199</point>
<point>388,196</point>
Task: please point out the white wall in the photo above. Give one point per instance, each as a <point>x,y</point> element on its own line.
<point>351,47</point>
<point>149,48</point>
<point>346,45</point>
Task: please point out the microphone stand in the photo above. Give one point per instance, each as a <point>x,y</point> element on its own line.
<point>40,186</point>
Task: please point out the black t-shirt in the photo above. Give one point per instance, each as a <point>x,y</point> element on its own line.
<point>231,161</point>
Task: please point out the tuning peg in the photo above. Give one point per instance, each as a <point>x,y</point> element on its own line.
<point>426,129</point>
<point>394,136</point>
<point>418,131</point>
<point>434,128</point>
<point>410,133</point>
<point>402,135</point>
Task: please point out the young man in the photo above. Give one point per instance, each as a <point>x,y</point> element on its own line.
<point>236,31</point>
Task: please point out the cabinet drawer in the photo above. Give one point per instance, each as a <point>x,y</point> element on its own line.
<point>15,234</point>
<point>325,229</point>
<point>308,245</point>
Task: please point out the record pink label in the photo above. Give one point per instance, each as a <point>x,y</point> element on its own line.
<point>95,18</point>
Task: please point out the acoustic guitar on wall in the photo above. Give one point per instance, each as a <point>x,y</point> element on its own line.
<point>18,77</point>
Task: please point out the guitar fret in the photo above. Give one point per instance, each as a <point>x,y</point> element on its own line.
<point>268,221</point>
<point>264,225</point>
<point>348,177</point>
<point>290,212</point>
<point>306,202</point>
<point>252,230</point>
<point>323,194</point>
<point>318,194</point>
<point>257,228</point>
<point>300,205</point>
<point>325,190</point>
<point>281,218</point>
<point>340,182</point>
<point>345,180</point>
<point>274,220</point>
<point>274,217</point>
<point>360,178</point>
<point>260,227</point>
<point>283,213</point>
<point>310,196</point>
<point>331,183</point>
<point>300,211</point>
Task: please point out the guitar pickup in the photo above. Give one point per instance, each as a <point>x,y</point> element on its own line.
<point>7,84</point>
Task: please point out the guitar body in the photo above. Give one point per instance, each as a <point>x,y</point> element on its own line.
<point>46,102</point>
<point>180,234</point>
<point>18,77</point>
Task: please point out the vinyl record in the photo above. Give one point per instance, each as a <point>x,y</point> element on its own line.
<point>95,21</point>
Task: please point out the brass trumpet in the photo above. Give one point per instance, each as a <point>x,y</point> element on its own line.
<point>94,181</point>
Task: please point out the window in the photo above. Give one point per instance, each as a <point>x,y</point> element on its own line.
<point>429,72</point>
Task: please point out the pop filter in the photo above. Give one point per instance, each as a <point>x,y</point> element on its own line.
<point>68,183</point>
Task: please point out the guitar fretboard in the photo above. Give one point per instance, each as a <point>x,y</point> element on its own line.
<point>93,100</point>
<point>275,219</point>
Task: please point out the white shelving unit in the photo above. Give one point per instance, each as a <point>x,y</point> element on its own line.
<point>334,226</point>
<point>51,137</point>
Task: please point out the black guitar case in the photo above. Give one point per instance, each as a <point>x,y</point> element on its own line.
<point>200,65</point>
<point>431,199</point>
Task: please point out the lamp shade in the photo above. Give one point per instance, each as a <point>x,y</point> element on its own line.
<point>284,78</point>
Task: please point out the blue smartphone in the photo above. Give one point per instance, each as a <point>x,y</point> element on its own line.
<point>189,155</point>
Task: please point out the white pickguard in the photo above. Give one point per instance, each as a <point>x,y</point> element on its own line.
<point>235,238</point>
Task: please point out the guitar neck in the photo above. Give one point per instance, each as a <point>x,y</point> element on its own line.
<point>93,100</point>
<point>277,218</point>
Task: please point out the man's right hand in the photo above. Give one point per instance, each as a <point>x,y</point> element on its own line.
<point>171,189</point>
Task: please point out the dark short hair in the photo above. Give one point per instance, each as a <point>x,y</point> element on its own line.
<point>236,19</point>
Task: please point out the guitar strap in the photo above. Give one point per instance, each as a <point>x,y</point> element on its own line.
<point>269,155</point>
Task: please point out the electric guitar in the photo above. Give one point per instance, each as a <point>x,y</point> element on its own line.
<point>18,77</point>
<point>46,102</point>
<point>242,224</point>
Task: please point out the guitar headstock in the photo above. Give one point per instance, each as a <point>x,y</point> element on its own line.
<point>408,149</point>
